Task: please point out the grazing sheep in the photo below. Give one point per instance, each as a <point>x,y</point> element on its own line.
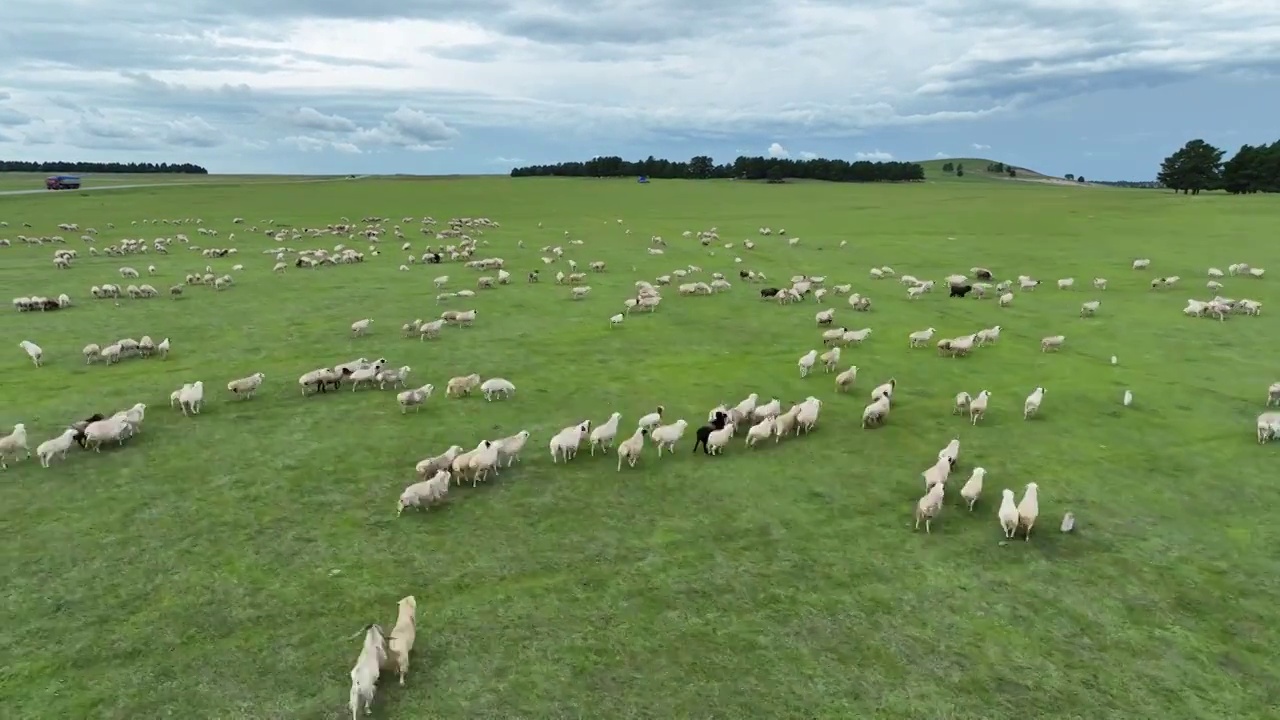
<point>616,320</point>
<point>666,436</point>
<point>973,488</point>
<point>402,635</point>
<point>928,507</point>
<point>364,676</point>
<point>1008,514</point>
<point>978,408</point>
<point>57,446</point>
<point>414,398</point>
<point>604,434</point>
<point>630,448</point>
<point>1090,308</point>
<point>33,351</point>
<point>497,388</point>
<point>1029,509</point>
<point>564,444</point>
<point>360,326</point>
<point>1053,342</point>
<point>1032,404</point>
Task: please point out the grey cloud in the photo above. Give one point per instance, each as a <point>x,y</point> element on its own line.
<point>10,117</point>
<point>407,128</point>
<point>312,119</point>
<point>192,132</point>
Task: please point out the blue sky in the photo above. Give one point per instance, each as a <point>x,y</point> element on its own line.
<point>1103,88</point>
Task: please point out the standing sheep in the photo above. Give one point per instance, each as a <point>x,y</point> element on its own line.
<point>1029,509</point>
<point>12,443</point>
<point>33,351</point>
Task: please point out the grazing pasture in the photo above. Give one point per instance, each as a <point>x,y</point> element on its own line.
<point>222,565</point>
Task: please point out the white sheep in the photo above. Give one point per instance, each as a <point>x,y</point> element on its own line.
<point>1053,342</point>
<point>1029,509</point>
<point>425,493</point>
<point>497,388</point>
<point>1090,308</point>
<point>920,338</point>
<point>245,387</point>
<point>631,448</point>
<point>33,351</point>
<point>1008,513</point>
<point>807,362</point>
<point>191,397</point>
<point>846,379</point>
<point>358,327</point>
<point>1215,273</point>
<point>989,335</point>
<point>13,442</point>
<point>564,444</point>
<point>928,507</point>
<point>830,359</point>
<point>825,317</point>
<point>1006,299</point>
<point>978,408</point>
<point>57,446</point>
<point>962,403</point>
<point>1273,394</point>
<point>1100,283</point>
<point>951,452</point>
<point>462,385</point>
<point>876,413</point>
<point>718,439</point>
<point>769,409</point>
<point>973,488</point>
<point>1032,404</point>
<point>651,420</point>
<point>760,431</point>
<point>1141,264</point>
<point>1268,426</point>
<point>1066,283</point>
<point>1127,400</point>
<point>604,434</point>
<point>91,352</point>
<point>667,436</point>
<point>616,320</point>
<point>414,398</point>
<point>509,447</point>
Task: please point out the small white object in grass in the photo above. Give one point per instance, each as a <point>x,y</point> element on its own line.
<point>1068,522</point>
<point>1115,360</point>
<point>1128,398</point>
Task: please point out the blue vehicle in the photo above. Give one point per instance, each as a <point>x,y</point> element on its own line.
<point>62,182</point>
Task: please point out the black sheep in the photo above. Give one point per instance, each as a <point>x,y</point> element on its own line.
<point>79,427</point>
<point>705,431</point>
<point>983,274</point>
<point>960,290</point>
<point>433,259</point>
<point>744,274</point>
<point>768,292</point>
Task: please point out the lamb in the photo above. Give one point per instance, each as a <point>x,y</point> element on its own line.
<point>57,446</point>
<point>1008,514</point>
<point>652,420</point>
<point>1053,342</point>
<point>1029,509</point>
<point>33,351</point>
<point>973,488</point>
<point>191,397</point>
<point>978,408</point>
<point>630,448</point>
<point>667,436</point>
<point>1006,299</point>
<point>785,423</point>
<point>928,507</point>
<point>920,338</point>
<point>247,386</point>
<point>402,635</point>
<point>616,320</point>
<point>846,379</point>
<point>462,385</point>
<point>497,388</point>
<point>12,443</point>
<point>962,403</point>
<point>414,398</point>
<point>1100,283</point>
<point>1090,308</point>
<point>91,352</point>
<point>806,362</point>
<point>760,431</point>
<point>1032,404</point>
<point>364,676</point>
<point>359,327</point>
<point>564,444</point>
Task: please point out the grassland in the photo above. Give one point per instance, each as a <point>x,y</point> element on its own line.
<point>217,567</point>
<point>35,181</point>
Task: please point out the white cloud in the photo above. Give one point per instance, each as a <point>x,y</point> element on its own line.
<point>941,155</point>
<point>980,146</point>
<point>425,74</point>
<point>874,156</point>
<point>777,151</point>
<point>806,155</point>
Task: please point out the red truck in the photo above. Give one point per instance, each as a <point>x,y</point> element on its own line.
<point>62,182</point>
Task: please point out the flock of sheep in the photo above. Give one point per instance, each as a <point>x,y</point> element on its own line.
<point>757,421</point>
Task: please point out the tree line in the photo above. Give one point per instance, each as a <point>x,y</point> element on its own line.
<point>702,167</point>
<point>1198,166</point>
<point>101,167</point>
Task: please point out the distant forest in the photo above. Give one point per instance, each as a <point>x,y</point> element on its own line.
<point>101,167</point>
<point>702,167</point>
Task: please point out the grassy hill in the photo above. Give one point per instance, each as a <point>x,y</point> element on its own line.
<point>974,169</point>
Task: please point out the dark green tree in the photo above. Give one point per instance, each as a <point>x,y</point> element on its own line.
<point>1194,167</point>
<point>948,167</point>
<point>1069,176</point>
<point>745,168</point>
<point>100,167</point>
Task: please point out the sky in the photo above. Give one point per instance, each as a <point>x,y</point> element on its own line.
<point>1100,88</point>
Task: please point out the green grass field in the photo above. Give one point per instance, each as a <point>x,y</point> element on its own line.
<point>219,566</point>
<point>35,181</point>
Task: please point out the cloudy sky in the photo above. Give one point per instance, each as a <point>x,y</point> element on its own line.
<point>1104,88</point>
